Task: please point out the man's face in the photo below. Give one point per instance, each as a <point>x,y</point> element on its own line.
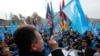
<point>71,33</point>
<point>39,44</point>
<point>6,52</point>
<point>64,39</point>
<point>84,44</point>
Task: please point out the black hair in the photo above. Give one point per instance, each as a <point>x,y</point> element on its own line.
<point>98,45</point>
<point>24,37</point>
<point>87,40</point>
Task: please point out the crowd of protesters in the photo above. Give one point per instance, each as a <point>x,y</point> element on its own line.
<point>86,44</point>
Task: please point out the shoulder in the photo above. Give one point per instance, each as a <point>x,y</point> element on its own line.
<point>97,54</point>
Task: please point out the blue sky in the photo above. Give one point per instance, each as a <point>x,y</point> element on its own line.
<point>27,7</point>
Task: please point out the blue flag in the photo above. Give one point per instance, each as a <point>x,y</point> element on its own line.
<point>12,28</point>
<point>98,26</point>
<point>56,25</point>
<point>93,28</point>
<point>67,10</point>
<point>76,15</point>
<point>82,15</point>
<point>2,37</point>
<point>2,29</point>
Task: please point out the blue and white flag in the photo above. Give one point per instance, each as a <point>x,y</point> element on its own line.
<point>75,13</point>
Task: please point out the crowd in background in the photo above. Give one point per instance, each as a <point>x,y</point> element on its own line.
<point>86,44</point>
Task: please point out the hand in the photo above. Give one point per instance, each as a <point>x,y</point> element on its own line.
<point>52,43</point>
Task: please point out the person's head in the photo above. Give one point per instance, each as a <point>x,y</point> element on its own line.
<point>88,33</point>
<point>71,33</point>
<point>64,39</point>
<point>28,39</point>
<point>98,47</point>
<point>84,43</point>
<point>6,52</point>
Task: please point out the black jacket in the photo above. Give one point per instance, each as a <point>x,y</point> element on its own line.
<point>88,52</point>
<point>57,52</point>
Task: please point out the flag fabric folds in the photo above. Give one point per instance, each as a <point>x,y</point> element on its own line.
<point>63,16</point>
<point>67,10</point>
<point>12,28</point>
<point>48,16</point>
<point>62,13</point>
<point>2,29</point>
<point>2,37</point>
<point>93,28</point>
<point>75,13</point>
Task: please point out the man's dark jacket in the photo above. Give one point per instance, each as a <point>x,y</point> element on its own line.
<point>57,52</point>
